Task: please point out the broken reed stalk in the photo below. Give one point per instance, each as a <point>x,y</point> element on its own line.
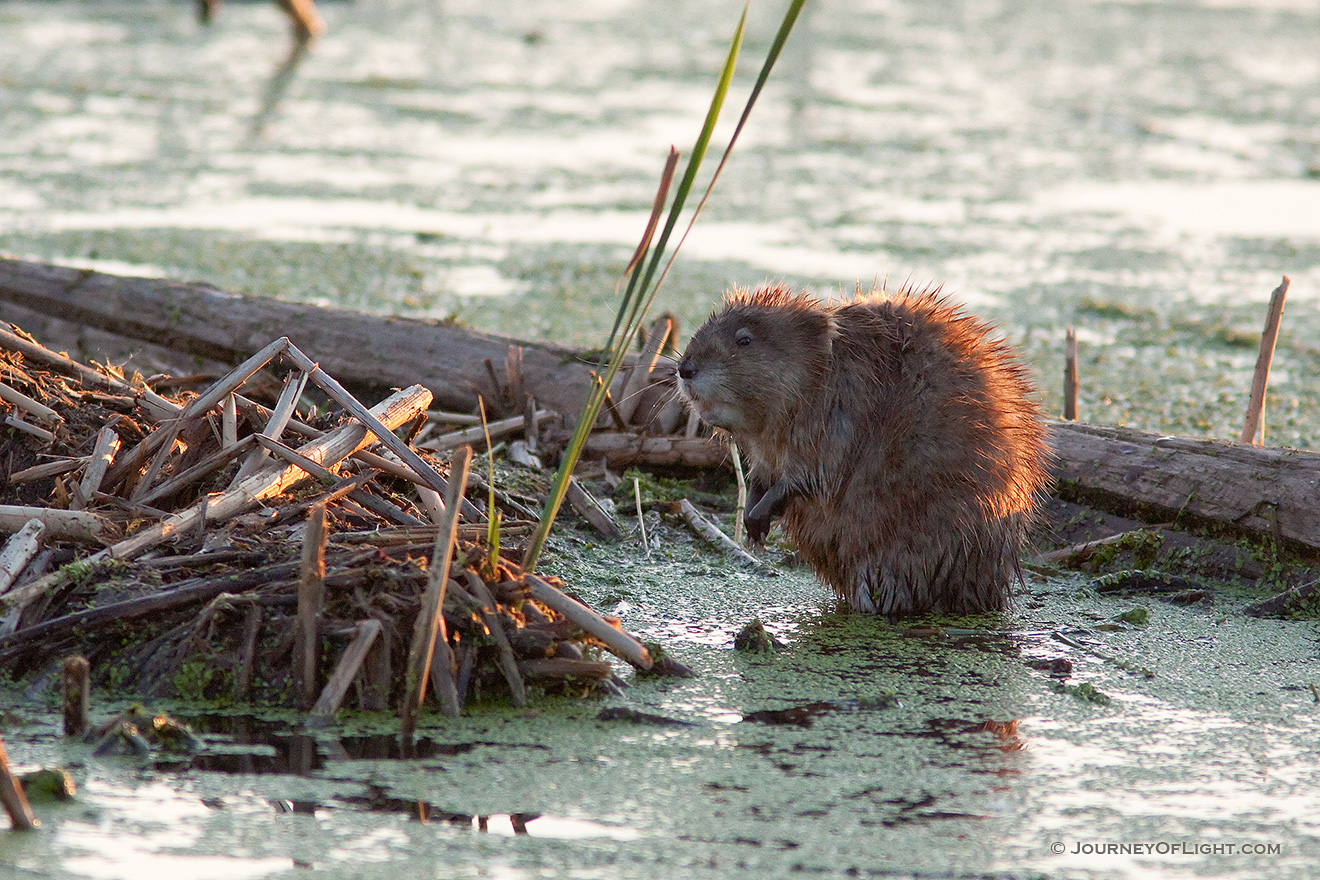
<point>11,795</point>
<point>311,594</point>
<point>618,642</point>
<point>1253,429</point>
<point>712,533</point>
<point>1070,376</point>
<point>19,551</point>
<point>741,507</point>
<point>400,408</point>
<point>332,696</point>
<point>60,525</point>
<point>75,686</point>
<point>429,628</point>
<point>489,611</point>
<point>641,519</point>
<point>104,452</point>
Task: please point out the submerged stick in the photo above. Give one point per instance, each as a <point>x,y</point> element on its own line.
<point>430,625</point>
<point>1070,376</point>
<point>332,696</point>
<point>76,687</point>
<point>618,642</point>
<point>1252,428</point>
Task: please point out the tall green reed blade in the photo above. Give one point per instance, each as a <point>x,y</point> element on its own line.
<point>641,290</point>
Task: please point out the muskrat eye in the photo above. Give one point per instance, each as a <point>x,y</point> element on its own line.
<point>743,336</point>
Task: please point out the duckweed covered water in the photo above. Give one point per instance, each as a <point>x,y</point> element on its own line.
<point>1143,171</point>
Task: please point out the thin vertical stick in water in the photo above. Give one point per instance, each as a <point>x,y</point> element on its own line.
<point>311,590</point>
<point>75,681</point>
<point>1070,376</point>
<point>430,625</point>
<point>1253,429</point>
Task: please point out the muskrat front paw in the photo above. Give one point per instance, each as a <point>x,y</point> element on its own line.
<point>767,505</point>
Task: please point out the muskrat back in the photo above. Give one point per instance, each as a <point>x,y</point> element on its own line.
<point>898,438</point>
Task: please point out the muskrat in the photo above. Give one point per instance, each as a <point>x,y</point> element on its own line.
<point>897,437</point>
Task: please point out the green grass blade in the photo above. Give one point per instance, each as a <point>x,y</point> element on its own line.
<point>641,291</point>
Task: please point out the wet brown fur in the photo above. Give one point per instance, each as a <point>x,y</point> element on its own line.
<point>905,434</point>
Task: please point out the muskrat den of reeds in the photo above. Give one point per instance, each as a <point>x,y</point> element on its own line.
<point>182,545</point>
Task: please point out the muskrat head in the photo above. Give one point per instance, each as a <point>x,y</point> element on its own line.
<point>751,365</point>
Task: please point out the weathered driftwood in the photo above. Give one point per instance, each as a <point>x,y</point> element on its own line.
<point>201,320</point>
<point>1266,491</point>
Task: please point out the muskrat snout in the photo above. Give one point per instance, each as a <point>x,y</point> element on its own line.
<point>686,369</point>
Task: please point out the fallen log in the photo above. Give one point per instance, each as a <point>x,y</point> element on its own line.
<point>1269,492</point>
<point>206,322</point>
<point>1263,491</point>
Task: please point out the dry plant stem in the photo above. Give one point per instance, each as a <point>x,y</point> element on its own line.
<point>28,428</point>
<point>430,625</point>
<point>1075,554</point>
<point>44,355</point>
<point>332,696</point>
<point>640,374</point>
<point>200,471</point>
<point>75,683</point>
<point>641,519</point>
<point>293,457</point>
<point>623,449</point>
<point>709,531</point>
<point>590,510</point>
<point>186,593</point>
<point>18,551</point>
<point>311,593</point>
<point>618,642</point>
<point>49,469</point>
<point>38,411</point>
<point>279,419</point>
<point>11,794</point>
<point>229,383</point>
<point>103,453</point>
<point>562,668</point>
<point>1252,428</point>
<point>228,421</point>
<point>384,433</point>
<point>489,612</point>
<point>398,409</point>
<point>62,525</point>
<point>501,428</point>
<point>1070,376</point>
<point>742,495</point>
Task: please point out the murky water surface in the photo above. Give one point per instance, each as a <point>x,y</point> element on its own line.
<point>1143,171</point>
